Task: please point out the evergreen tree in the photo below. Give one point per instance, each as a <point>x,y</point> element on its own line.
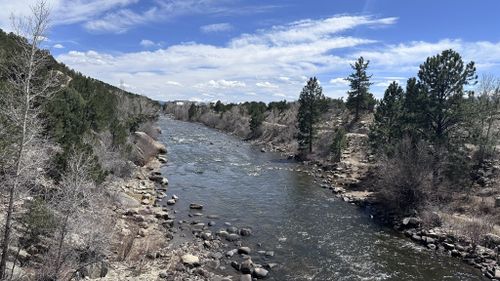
<point>219,107</point>
<point>193,110</point>
<point>387,125</point>
<point>339,143</point>
<point>360,98</point>
<point>443,78</point>
<point>309,100</point>
<point>256,119</point>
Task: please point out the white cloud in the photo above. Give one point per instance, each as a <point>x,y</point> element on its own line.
<point>173,83</point>
<point>386,83</point>
<point>266,84</point>
<point>148,43</point>
<point>307,31</point>
<point>115,16</point>
<point>339,81</point>
<point>222,84</point>
<point>58,46</point>
<point>63,11</point>
<point>216,27</point>
<point>281,57</point>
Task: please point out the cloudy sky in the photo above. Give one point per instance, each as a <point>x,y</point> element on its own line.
<point>237,50</point>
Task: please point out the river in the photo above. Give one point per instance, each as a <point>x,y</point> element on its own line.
<point>314,235</point>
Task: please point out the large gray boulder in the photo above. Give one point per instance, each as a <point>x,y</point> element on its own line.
<point>146,148</point>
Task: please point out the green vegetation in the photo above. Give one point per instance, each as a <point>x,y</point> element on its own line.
<point>359,98</point>
<point>85,106</point>
<point>339,143</point>
<point>310,100</point>
<point>435,117</point>
<point>257,117</point>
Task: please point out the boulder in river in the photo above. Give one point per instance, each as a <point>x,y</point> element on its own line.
<point>246,266</point>
<point>245,232</point>
<point>233,237</point>
<point>195,206</point>
<point>244,250</point>
<point>260,273</point>
<point>170,202</point>
<point>232,229</point>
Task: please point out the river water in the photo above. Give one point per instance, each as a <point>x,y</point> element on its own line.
<point>314,235</point>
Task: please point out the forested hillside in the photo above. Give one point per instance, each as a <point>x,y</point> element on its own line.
<point>82,107</point>
<point>64,139</point>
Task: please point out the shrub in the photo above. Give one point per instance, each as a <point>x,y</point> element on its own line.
<point>339,143</point>
<point>405,178</point>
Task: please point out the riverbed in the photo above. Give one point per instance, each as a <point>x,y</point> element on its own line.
<point>314,235</point>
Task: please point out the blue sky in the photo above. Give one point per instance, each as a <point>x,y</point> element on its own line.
<point>238,50</point>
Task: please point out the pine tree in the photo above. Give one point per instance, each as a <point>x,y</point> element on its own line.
<point>443,78</point>
<point>193,110</point>
<point>360,98</point>
<point>256,119</point>
<point>388,118</point>
<point>309,111</point>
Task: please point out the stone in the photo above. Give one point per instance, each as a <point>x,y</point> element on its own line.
<point>223,233</point>
<point>168,223</point>
<point>159,179</point>
<point>206,235</point>
<point>233,237</point>
<point>245,232</point>
<point>270,254</point>
<point>492,240</point>
<point>246,277</point>
<point>246,266</point>
<point>211,223</point>
<point>232,229</point>
<point>235,265</point>
<point>448,246</point>
<point>190,260</point>
<point>411,222</point>
<point>171,202</point>
<point>175,197</point>
<point>231,253</point>
<point>244,250</point>
<point>126,201</point>
<point>161,214</point>
<point>195,206</point>
<point>497,202</point>
<point>260,273</point>
<point>431,246</point>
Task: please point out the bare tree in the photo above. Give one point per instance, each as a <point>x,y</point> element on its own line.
<point>80,237</point>
<point>28,83</point>
<point>487,116</point>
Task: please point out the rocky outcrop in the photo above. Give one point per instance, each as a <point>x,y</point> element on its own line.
<point>146,148</point>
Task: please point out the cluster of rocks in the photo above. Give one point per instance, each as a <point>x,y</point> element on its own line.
<point>213,241</point>
<point>484,258</point>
